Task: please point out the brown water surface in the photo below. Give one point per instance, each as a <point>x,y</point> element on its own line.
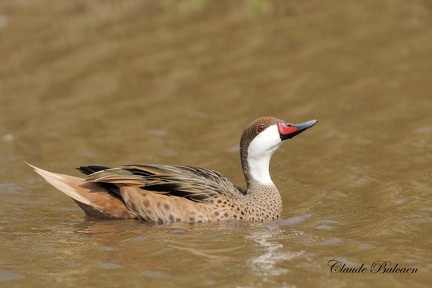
<point>175,82</point>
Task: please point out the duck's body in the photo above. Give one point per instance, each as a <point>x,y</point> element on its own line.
<point>173,193</point>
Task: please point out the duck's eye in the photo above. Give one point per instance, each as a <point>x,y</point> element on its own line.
<point>260,128</point>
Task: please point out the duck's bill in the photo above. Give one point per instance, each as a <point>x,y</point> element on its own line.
<point>288,130</point>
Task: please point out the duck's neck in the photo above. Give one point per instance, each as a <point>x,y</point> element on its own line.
<point>262,195</point>
<point>256,167</point>
<point>256,171</point>
<point>264,200</point>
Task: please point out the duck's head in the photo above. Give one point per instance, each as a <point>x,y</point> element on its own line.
<point>260,140</point>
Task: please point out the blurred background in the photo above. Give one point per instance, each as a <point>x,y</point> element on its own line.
<point>176,82</point>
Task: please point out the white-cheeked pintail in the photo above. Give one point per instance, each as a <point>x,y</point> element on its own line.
<point>174,193</point>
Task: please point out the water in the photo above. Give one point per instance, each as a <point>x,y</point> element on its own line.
<point>175,83</point>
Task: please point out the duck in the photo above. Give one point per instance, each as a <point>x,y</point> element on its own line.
<point>159,193</point>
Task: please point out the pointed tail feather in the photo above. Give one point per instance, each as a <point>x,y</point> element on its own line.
<point>93,198</point>
<point>63,183</point>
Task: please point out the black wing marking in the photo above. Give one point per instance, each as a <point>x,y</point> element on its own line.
<point>87,170</point>
<point>193,183</point>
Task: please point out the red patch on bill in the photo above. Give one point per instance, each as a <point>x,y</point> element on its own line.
<point>285,130</point>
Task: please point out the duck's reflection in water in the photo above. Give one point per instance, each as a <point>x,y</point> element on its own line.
<point>272,253</point>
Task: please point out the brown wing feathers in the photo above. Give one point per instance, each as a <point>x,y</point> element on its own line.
<point>195,184</point>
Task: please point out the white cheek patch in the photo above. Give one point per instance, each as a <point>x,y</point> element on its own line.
<point>259,153</point>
